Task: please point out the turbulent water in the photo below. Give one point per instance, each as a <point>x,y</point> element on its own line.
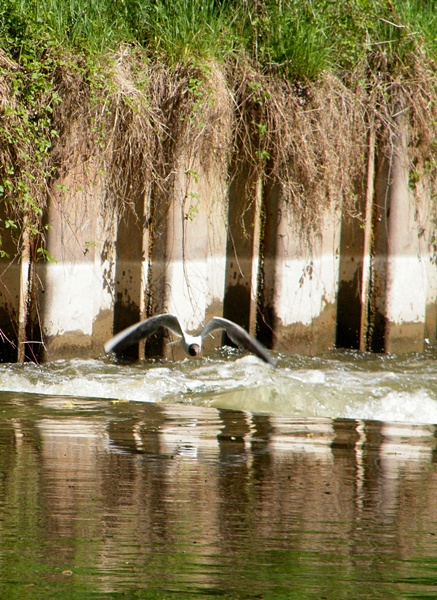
<point>319,483</point>
<point>338,385</point>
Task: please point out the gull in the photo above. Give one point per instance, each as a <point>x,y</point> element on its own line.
<point>192,344</point>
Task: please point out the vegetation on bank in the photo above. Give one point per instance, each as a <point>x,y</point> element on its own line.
<point>299,38</point>
<point>301,74</point>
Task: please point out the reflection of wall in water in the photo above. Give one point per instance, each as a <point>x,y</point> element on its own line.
<point>207,481</point>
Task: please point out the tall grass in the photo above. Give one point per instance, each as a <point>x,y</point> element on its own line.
<point>420,19</point>
<point>300,38</point>
<point>184,29</point>
<point>95,25</point>
<point>288,36</point>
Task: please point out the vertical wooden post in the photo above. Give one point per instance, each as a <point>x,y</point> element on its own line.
<point>25,292</point>
<point>367,242</point>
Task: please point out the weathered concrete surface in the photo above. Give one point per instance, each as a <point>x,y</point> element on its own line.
<point>350,312</point>
<point>426,223</point>
<point>130,265</point>
<point>75,298</point>
<point>187,250</point>
<point>355,262</point>
<point>195,246</point>
<point>306,306</point>
<point>402,275</point>
<point>242,251</point>
<point>308,339</point>
<point>406,272</point>
<point>208,238</point>
<point>300,279</point>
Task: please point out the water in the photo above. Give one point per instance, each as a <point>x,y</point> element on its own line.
<point>219,477</point>
<point>339,385</point>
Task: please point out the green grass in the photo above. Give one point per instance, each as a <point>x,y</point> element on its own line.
<point>420,18</point>
<point>301,38</point>
<point>95,25</point>
<point>185,29</point>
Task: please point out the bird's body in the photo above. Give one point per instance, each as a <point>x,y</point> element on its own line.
<point>192,344</point>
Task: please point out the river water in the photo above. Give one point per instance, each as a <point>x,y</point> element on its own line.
<point>220,477</point>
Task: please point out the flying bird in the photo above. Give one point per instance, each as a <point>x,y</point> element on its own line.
<point>192,344</point>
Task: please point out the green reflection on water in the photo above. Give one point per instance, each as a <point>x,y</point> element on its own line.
<point>106,500</point>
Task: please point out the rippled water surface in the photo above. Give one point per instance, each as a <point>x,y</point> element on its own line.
<point>220,477</point>
<point>358,386</point>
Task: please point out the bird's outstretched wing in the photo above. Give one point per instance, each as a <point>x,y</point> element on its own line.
<point>141,330</point>
<point>239,336</point>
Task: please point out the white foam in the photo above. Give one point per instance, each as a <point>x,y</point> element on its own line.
<point>345,387</point>
<point>401,407</point>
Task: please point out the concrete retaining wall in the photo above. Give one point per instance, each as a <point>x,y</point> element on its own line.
<point>219,240</point>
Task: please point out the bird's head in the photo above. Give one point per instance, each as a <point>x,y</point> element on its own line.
<point>194,349</point>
